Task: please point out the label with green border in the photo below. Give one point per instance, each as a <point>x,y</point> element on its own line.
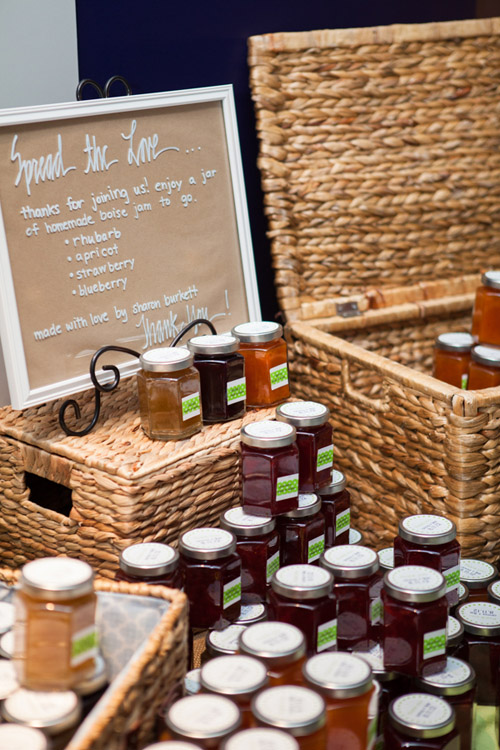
<point>191,406</point>
<point>83,645</point>
<point>324,458</point>
<point>452,577</point>
<point>236,391</point>
<point>232,592</point>
<point>287,487</point>
<point>376,611</point>
<point>343,521</point>
<point>273,564</point>
<point>327,635</point>
<point>434,643</point>
<point>315,547</point>
<point>278,376</point>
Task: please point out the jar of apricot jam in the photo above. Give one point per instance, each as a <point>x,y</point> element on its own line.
<point>302,532</point>
<point>238,678</point>
<point>302,595</point>
<point>386,558</point>
<point>258,545</point>
<point>260,738</point>
<point>222,376</point>
<point>452,357</point>
<point>266,362</point>
<point>486,317</point>
<point>314,441</point>
<point>421,720</point>
<point>222,642</point>
<point>484,371</point>
<point>431,541</point>
<point>477,574</point>
<point>454,635</point>
<point>357,585</point>
<point>336,509</point>
<point>150,562</point>
<point>269,468</point>
<point>481,647</point>
<point>295,709</point>
<point>203,719</point>
<point>415,615</point>
<point>211,572</point>
<point>280,646</point>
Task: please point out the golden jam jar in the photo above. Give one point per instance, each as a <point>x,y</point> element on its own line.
<point>222,376</point>
<point>150,562</point>
<point>295,709</point>
<point>484,370</point>
<point>236,677</point>
<point>486,317</point>
<point>57,714</point>
<point>477,575</point>
<point>266,362</point>
<point>302,532</point>
<point>169,394</point>
<point>336,509</point>
<point>204,719</point>
<point>280,646</point>
<point>452,352</point>
<point>314,441</point>
<point>421,720</point>
<point>260,738</point>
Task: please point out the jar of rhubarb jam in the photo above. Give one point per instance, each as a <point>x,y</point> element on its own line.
<point>386,558</point>
<point>150,562</point>
<point>415,615</point>
<point>456,684</point>
<point>269,468</point>
<point>57,714</point>
<point>238,678</point>
<point>203,719</point>
<point>19,737</point>
<point>222,376</point>
<point>421,720</point>
<point>454,635</point>
<point>258,545</point>
<point>302,532</point>
<point>260,738</point>
<point>280,646</point>
<point>314,441</point>
<point>211,572</point>
<point>266,362</point>
<point>336,509</point>
<point>169,394</point>
<point>486,317</point>
<point>297,710</point>
<point>55,636</point>
<point>477,575</point>
<point>452,357</point>
<point>222,642</point>
<point>251,614</point>
<point>484,371</point>
<point>481,647</point>
<point>302,595</point>
<point>357,585</point>
<point>431,541</point>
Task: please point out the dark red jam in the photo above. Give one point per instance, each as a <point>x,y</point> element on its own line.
<point>258,545</point>
<point>454,635</point>
<point>477,575</point>
<point>336,509</point>
<point>302,532</point>
<point>386,558</point>
<point>150,562</point>
<point>431,541</point>
<point>314,441</point>
<point>481,647</point>
<point>280,646</point>
<point>419,720</point>
<point>269,468</point>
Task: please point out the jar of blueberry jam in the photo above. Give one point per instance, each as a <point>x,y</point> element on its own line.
<point>419,720</point>
<point>481,647</point>
<point>336,509</point>
<point>150,562</point>
<point>280,646</point>
<point>302,532</point>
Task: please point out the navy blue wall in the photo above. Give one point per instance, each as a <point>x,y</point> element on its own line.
<point>160,45</point>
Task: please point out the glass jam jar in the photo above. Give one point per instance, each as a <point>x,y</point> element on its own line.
<point>386,558</point>
<point>302,532</point>
<point>238,678</point>
<point>280,646</point>
<point>454,635</point>
<point>481,647</point>
<point>211,572</point>
<point>421,720</point>
<point>222,642</point>
<point>19,737</point>
<point>336,509</point>
<point>150,562</point>
<point>302,595</point>
<point>314,441</point>
<point>431,541</point>
<point>357,585</point>
<point>57,714</point>
<point>345,682</point>
<point>452,357</point>
<point>169,394</point>
<point>484,370</point>
<point>203,719</point>
<point>269,468</point>
<point>415,615</point>
<point>266,362</point>
<point>258,545</point>
<point>486,317</point>
<point>260,738</point>
<point>456,684</point>
<point>251,613</point>
<point>355,536</point>
<point>477,574</point>
<point>222,376</point>
<point>298,710</point>
<point>55,636</point>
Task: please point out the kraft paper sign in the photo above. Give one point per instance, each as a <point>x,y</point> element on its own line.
<point>122,220</point>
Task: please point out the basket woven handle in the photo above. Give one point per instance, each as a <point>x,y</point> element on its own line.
<point>375,404</point>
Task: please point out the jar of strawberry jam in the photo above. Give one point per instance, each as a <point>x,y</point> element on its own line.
<point>415,616</point>
<point>238,678</point>
<point>302,595</point>
<point>336,509</point>
<point>258,545</point>
<point>484,370</point>
<point>260,738</point>
<point>222,642</point>
<point>481,647</point>
<point>431,541</point>
<point>452,357</point>
<point>222,376</point>
<point>419,720</point>
<point>314,441</point>
<point>486,317</point>
<point>280,646</point>
<point>150,562</point>
<point>203,719</point>
<point>477,574</point>
<point>266,362</point>
<point>269,468</point>
<point>302,532</point>
<point>297,710</point>
<point>211,572</point>
<point>357,585</point>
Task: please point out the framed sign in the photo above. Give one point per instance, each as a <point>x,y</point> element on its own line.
<point>121,221</point>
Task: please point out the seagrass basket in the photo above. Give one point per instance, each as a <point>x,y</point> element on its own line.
<point>380,164</point>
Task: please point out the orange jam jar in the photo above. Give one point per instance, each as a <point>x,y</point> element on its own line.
<point>203,719</point>
<point>55,636</point>
<point>266,362</point>
<point>486,318</point>
<point>238,678</point>
<point>484,370</point>
<point>280,646</point>
<point>298,710</point>
<point>452,357</point>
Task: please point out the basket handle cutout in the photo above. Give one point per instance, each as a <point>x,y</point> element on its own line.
<point>374,404</point>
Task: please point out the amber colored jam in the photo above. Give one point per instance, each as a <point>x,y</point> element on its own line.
<point>204,719</point>
<point>302,532</point>
<point>56,713</point>
<point>486,317</point>
<point>477,575</point>
<point>297,710</point>
<point>336,510</point>
<point>280,646</point>
<point>481,647</point>
<point>266,363</point>
<point>452,357</point>
<point>150,562</point>
<point>484,370</point>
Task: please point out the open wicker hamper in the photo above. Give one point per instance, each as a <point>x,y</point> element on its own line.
<point>380,162</point>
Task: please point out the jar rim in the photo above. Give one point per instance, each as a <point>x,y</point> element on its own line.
<point>296,582</point>
<point>68,715</point>
<point>298,727</point>
<point>347,561</point>
<point>471,618</point>
<point>166,359</point>
<point>335,666</point>
<point>422,584</point>
<point>457,678</point>
<point>270,436</point>
<point>192,708</point>
<point>337,484</point>
<point>213,344</point>
<point>196,543</point>
<point>491,279</point>
<point>148,559</point>
<point>424,529</point>
<point>486,572</point>
<point>309,507</point>
<point>455,341</point>
<point>257,332</point>
<point>296,413</point>
<point>212,675</point>
<point>262,641</point>
<point>245,524</point>
<point>413,728</point>
<point>58,578</point>
<point>486,355</point>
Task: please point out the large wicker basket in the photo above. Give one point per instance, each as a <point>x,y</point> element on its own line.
<point>380,162</point>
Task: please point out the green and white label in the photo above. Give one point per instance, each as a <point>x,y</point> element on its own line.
<point>434,643</point>
<point>342,521</point>
<point>232,592</point>
<point>476,570</point>
<point>327,635</point>
<point>278,376</point>
<point>315,547</point>
<point>464,380</point>
<point>273,564</point>
<point>236,391</point>
<point>376,611</point>
<point>191,406</point>
<point>287,487</point>
<point>452,578</point>
<point>324,458</point>
<point>84,645</point>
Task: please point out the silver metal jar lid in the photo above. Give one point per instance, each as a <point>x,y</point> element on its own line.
<point>480,618</point>
<point>486,355</point>
<point>19,737</point>
<point>96,681</point>
<point>212,345</point>
<point>236,676</point>
<point>192,681</point>
<point>53,712</point>
<point>386,558</point>
<point>275,643</point>
<point>203,716</point>
<point>268,434</point>
<point>149,559</point>
<point>246,525</point>
<point>427,529</point>
<point>455,341</point>
<point>259,738</point>
<point>350,561</point>
<point>494,592</point>
<point>207,543</point>
<point>298,710</point>
<point>454,631</point>
<point>224,642</point>
<point>491,279</point>
<point>456,678</point>
<point>309,505</point>
<point>415,583</point>
<point>302,582</point>
<point>258,332</point>
<point>338,675</point>
<point>477,574</point>
<point>337,484</point>
<point>355,536</point>
<point>166,359</point>
<point>57,578</point>
<point>303,413</point>
<point>421,715</point>
<point>251,613</point>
